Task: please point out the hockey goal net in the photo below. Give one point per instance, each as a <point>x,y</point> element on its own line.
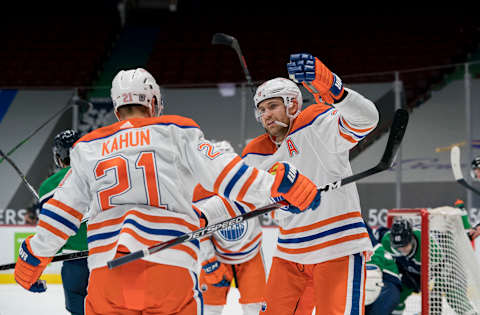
<point>449,267</point>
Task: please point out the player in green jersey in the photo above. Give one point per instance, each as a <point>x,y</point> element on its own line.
<point>74,272</point>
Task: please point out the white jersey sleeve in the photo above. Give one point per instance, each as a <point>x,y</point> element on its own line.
<point>58,221</point>
<point>350,121</point>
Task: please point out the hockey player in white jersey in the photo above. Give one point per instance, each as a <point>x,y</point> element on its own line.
<point>137,178</point>
<point>327,246</point>
<point>231,254</point>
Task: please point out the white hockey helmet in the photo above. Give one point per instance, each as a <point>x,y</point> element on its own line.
<point>136,86</point>
<point>223,146</point>
<point>373,283</point>
<point>279,87</point>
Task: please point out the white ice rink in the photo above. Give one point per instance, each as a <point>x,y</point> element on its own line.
<point>14,300</point>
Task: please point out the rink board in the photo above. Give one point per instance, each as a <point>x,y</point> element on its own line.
<point>12,236</point>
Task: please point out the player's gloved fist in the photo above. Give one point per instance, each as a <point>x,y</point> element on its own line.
<point>29,268</point>
<point>216,273</point>
<point>300,192</point>
<point>315,77</point>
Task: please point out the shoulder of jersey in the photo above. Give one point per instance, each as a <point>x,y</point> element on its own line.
<point>309,115</point>
<point>261,145</point>
<point>103,132</point>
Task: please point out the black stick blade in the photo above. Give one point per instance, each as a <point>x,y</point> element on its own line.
<point>397,131</point>
<point>223,39</point>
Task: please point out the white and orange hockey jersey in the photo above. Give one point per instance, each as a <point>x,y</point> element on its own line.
<point>137,177</point>
<point>318,145</point>
<point>238,243</point>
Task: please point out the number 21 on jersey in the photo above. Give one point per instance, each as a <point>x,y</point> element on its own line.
<point>118,164</point>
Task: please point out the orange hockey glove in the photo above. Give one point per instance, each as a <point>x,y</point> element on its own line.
<point>216,273</point>
<point>29,268</point>
<point>298,190</point>
<point>316,78</point>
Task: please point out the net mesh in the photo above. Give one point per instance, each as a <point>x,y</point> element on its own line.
<point>453,268</point>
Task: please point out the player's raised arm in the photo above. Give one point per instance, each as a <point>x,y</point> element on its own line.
<point>353,116</point>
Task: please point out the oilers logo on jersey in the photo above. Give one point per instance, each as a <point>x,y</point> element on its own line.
<point>234,232</point>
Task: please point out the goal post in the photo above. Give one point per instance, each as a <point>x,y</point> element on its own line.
<point>450,269</point>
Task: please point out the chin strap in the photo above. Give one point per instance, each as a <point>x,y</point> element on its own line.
<point>280,123</point>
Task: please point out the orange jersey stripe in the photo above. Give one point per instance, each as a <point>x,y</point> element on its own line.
<point>319,224</point>
<point>260,145</point>
<point>200,193</point>
<point>144,241</point>
<point>149,242</point>
<point>229,207</point>
<point>347,137</point>
<point>101,249</point>
<point>355,129</point>
<point>307,115</point>
<point>137,123</point>
<point>224,173</point>
<point>53,229</point>
<point>146,217</point>
<point>199,213</point>
<point>64,207</point>
<point>322,245</point>
<point>239,250</point>
<point>245,187</point>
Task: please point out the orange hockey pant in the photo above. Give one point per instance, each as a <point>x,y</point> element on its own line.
<point>338,286</point>
<point>143,288</point>
<point>251,281</point>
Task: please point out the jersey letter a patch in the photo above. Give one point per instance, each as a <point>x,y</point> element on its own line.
<point>292,149</point>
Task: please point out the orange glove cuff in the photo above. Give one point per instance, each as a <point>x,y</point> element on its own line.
<point>27,274</point>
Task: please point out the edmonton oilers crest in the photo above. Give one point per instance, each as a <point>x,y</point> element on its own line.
<point>234,232</point>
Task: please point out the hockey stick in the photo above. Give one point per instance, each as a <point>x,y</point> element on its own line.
<point>457,169</point>
<point>62,257</point>
<point>22,176</point>
<point>224,39</point>
<point>79,102</point>
<point>397,131</point>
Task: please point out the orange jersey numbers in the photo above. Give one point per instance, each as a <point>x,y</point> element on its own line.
<point>209,150</point>
<point>146,161</point>
<point>118,165</point>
